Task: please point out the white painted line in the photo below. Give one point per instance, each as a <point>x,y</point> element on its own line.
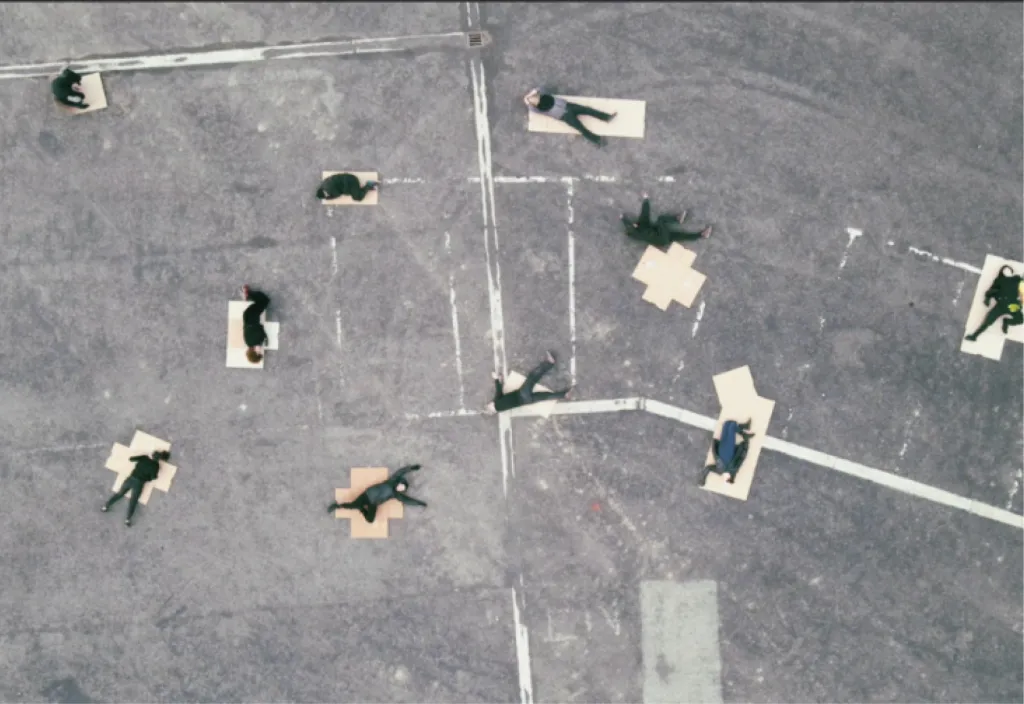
<point>522,653</point>
<point>402,180</point>
<point>806,454</point>
<point>455,323</point>
<point>682,658</point>
<point>572,282</point>
<point>959,292</point>
<point>334,256</point>
<point>666,179</point>
<point>696,323</point>
<point>373,45</point>
<point>1017,478</point>
<point>461,413</point>
<point>943,260</point>
<point>337,326</point>
<point>483,137</point>
<point>601,179</point>
<point>522,179</point>
<point>854,233</point>
<point>59,448</point>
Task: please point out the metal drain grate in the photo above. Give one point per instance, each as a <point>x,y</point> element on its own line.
<point>478,39</point>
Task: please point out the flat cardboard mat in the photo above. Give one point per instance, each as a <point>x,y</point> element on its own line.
<point>361,478</point>
<point>740,402</point>
<point>629,122</point>
<point>236,338</point>
<point>142,444</point>
<point>95,96</point>
<point>514,380</point>
<point>370,198</point>
<point>990,343</point>
<point>669,276</point>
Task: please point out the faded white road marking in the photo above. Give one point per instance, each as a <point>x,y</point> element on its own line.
<point>854,234</point>
<point>806,454</point>
<point>681,654</point>
<point>214,57</point>
<point>943,260</point>
<point>572,281</point>
<point>334,257</point>
<point>696,323</point>
<point>455,323</point>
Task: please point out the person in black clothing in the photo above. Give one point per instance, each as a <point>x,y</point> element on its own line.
<point>1008,293</point>
<point>146,470</point>
<point>252,329</point>
<point>68,91</point>
<point>663,231</point>
<point>543,102</point>
<point>340,185</point>
<point>525,394</point>
<point>729,454</point>
<point>394,488</point>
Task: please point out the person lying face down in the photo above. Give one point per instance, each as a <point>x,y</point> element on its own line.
<point>729,453</point>
<point>146,470</point>
<point>1008,293</point>
<point>663,231</point>
<point>67,89</point>
<point>543,102</point>
<point>253,332</point>
<point>524,394</point>
<point>340,185</point>
<point>393,487</point>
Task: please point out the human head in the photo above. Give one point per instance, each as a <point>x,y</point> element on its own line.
<point>320,194</point>
<point>544,102</point>
<point>401,486</point>
<point>253,355</point>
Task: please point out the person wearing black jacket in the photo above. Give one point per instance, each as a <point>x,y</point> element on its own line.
<point>393,488</point>
<point>663,231</point>
<point>730,452</point>
<point>146,470</point>
<point>252,328</point>
<point>525,394</point>
<point>340,185</point>
<point>1008,293</point>
<point>68,91</point>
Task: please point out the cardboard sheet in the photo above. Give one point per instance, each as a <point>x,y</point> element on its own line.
<point>543,408</point>
<point>669,276</point>
<point>95,96</point>
<point>361,478</point>
<point>236,339</point>
<point>740,403</point>
<point>990,343</point>
<point>142,444</point>
<point>370,198</point>
<point>629,122</point>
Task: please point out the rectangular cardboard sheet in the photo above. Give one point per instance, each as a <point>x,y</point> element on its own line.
<point>990,343</point>
<point>629,122</point>
<point>236,340</point>
<point>370,198</point>
<point>95,96</point>
<point>361,478</point>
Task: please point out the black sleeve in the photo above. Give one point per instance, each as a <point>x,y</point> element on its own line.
<point>137,458</point>
<point>408,500</point>
<point>497,389</point>
<point>259,298</point>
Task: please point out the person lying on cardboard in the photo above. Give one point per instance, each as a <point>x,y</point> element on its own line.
<point>729,453</point>
<point>393,487</point>
<point>1008,293</point>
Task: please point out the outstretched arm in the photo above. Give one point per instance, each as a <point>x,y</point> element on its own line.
<point>399,473</point>
<point>497,387</point>
<point>408,500</point>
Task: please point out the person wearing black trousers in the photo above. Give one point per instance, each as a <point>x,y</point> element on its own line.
<point>1008,293</point>
<point>525,394</point>
<point>663,231</point>
<point>543,102</point>
<point>729,454</point>
<point>340,185</point>
<point>393,488</point>
<point>252,328</point>
<point>146,470</point>
<point>68,91</point>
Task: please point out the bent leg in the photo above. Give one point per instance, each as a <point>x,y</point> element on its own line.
<point>535,375</point>
<point>591,112</point>
<point>998,311</point>
<point>133,502</point>
<point>570,119</point>
<point>1015,318</point>
<point>114,498</point>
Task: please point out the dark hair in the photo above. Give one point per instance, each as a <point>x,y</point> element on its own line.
<point>546,102</point>
<point>253,356</point>
<point>163,455</point>
<point>320,194</point>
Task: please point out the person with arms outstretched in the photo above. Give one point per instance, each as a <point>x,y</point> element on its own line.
<point>663,231</point>
<point>525,394</point>
<point>146,470</point>
<point>370,500</point>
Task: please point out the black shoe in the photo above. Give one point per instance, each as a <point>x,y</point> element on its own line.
<point>971,338</point>
<point>332,508</point>
<point>1006,328</point>
<point>128,522</point>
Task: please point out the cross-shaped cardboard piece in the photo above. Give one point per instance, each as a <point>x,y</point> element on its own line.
<point>360,479</point>
<point>142,444</point>
<point>669,276</point>
<point>740,403</point>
